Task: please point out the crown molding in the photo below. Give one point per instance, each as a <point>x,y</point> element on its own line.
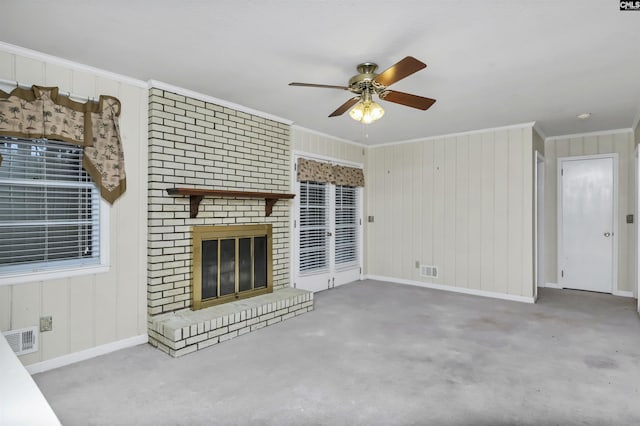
<point>155,84</point>
<point>581,135</point>
<point>45,57</point>
<point>326,135</point>
<point>528,125</point>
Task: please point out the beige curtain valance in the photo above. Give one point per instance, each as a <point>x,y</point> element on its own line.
<point>41,112</point>
<point>317,171</point>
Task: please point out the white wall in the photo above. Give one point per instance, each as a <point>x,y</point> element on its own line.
<point>620,142</point>
<point>90,310</point>
<point>463,203</point>
<point>305,140</point>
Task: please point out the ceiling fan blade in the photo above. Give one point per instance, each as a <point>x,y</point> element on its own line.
<point>322,86</point>
<point>398,71</point>
<point>345,106</point>
<point>407,99</point>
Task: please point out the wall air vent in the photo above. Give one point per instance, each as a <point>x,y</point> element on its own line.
<point>429,271</point>
<point>23,341</point>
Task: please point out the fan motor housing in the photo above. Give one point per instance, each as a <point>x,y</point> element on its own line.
<point>363,80</point>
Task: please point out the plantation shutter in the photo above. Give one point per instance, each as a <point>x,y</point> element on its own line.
<point>314,227</point>
<point>346,226</point>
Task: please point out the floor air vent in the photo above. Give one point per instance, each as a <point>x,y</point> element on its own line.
<point>428,271</point>
<point>23,341</point>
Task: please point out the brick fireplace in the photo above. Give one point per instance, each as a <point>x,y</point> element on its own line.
<point>198,144</point>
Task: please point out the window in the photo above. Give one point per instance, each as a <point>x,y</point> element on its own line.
<point>49,209</point>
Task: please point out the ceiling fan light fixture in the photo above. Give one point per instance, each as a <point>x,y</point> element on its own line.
<point>366,112</point>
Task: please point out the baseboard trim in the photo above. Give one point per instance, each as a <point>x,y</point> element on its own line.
<point>470,291</point>
<point>63,360</point>
<point>623,293</point>
<point>553,285</point>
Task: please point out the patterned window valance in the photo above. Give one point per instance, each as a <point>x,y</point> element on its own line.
<point>40,112</point>
<point>316,171</point>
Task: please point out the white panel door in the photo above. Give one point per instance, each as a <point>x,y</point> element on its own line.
<point>587,224</point>
<point>327,235</point>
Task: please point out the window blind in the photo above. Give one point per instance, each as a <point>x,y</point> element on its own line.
<point>49,207</point>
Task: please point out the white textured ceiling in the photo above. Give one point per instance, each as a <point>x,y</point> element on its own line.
<point>490,63</point>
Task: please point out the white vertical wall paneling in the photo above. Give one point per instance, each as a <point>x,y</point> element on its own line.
<point>384,194</point>
<point>55,295</point>
<point>515,184</point>
<point>397,216</point>
<point>462,203</point>
<point>590,145</point>
<point>7,65</point>
<point>373,180</point>
<point>81,307</point>
<point>448,269</point>
<point>501,212</point>
<point>26,305</point>
<point>60,77</point>
<point>413,252</point>
<point>461,217</point>
<point>575,146</point>
<point>475,212</point>
<point>139,141</point>
<point>620,142</point>
<point>605,144</point>
<point>439,207</point>
<point>98,309</point>
<point>5,307</point>
<point>487,235</point>
<point>82,291</point>
<point>29,71</point>
<point>426,195</point>
<point>310,142</point>
<point>550,222</point>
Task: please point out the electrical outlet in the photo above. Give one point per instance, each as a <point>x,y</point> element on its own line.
<point>46,323</point>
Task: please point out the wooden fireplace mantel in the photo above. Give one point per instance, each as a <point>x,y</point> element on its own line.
<point>196,195</point>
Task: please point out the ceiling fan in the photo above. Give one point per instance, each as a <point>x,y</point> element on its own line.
<point>367,83</point>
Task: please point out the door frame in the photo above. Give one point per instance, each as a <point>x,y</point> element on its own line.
<point>559,229</point>
<point>294,249</point>
<point>636,167</point>
<point>538,223</point>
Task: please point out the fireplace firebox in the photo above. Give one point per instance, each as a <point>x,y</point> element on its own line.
<point>229,263</point>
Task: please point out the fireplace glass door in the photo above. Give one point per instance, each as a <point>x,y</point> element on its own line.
<point>230,262</point>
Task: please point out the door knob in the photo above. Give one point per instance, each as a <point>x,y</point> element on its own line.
<point>329,234</point>
<point>607,234</point>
